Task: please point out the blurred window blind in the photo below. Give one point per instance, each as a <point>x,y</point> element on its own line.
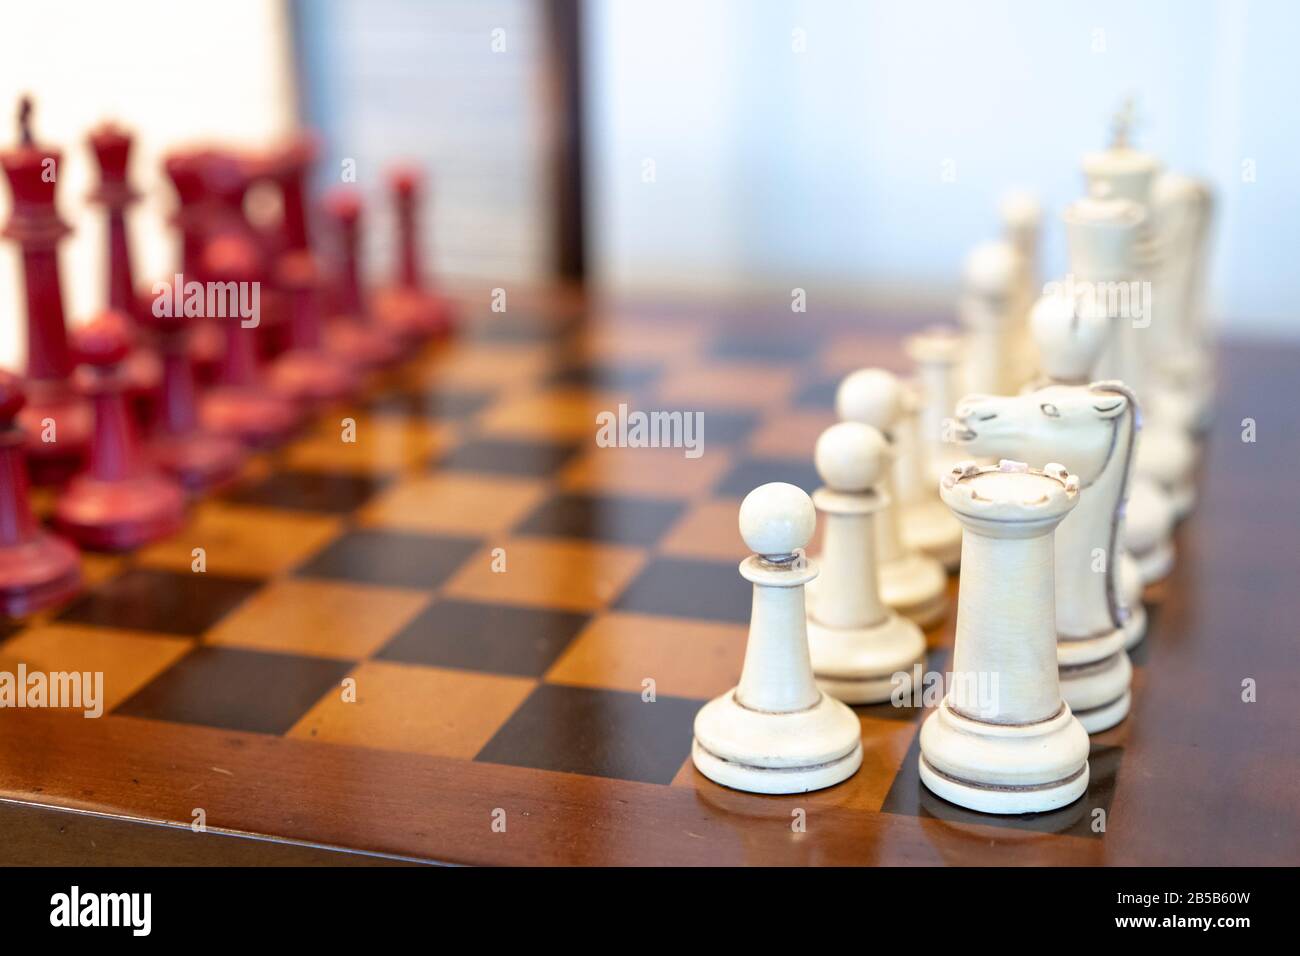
<point>458,87</point>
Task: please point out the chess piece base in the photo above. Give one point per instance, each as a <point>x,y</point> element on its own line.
<point>930,528</point>
<point>1004,768</point>
<point>1135,628</point>
<point>1097,691</point>
<point>119,515</point>
<point>200,462</point>
<point>365,345</point>
<point>866,665</point>
<point>1130,586</point>
<point>308,375</point>
<point>1156,563</point>
<point>916,587</point>
<point>56,461</point>
<point>37,574</point>
<point>764,752</point>
<point>250,415</point>
<point>412,313</point>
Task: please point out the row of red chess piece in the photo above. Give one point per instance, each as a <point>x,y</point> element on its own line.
<point>145,406</point>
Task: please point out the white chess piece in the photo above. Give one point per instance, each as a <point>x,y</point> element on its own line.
<point>1182,376</point>
<point>858,644</point>
<point>1069,341</point>
<point>927,524</point>
<point>1022,222</point>
<point>987,312</point>
<point>1166,455</point>
<point>1094,427</point>
<point>1003,740</point>
<point>1101,232</point>
<point>776,732</point>
<point>1148,531</point>
<point>913,584</point>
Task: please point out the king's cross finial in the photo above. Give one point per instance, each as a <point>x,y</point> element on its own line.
<point>1121,127</point>
<point>25,121</point>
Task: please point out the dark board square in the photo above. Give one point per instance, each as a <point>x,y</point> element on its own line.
<point>173,602</point>
<point>910,797</point>
<point>680,587</point>
<point>495,638</point>
<point>237,689</point>
<point>534,459</point>
<point>601,733</point>
<point>609,377</point>
<point>779,346</point>
<point>929,694</point>
<point>618,520</point>
<point>328,492</point>
<point>726,426</point>
<point>390,557</point>
<point>430,403</point>
<point>747,475</point>
<point>819,394</point>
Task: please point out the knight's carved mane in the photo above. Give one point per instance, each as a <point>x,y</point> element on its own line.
<point>1134,422</point>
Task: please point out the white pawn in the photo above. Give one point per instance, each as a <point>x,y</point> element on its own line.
<point>1002,740</point>
<point>1022,224</point>
<point>776,732</point>
<point>987,307</point>
<point>857,643</point>
<point>927,525</point>
<point>913,584</point>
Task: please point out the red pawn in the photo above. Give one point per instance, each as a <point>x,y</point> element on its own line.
<point>240,405</point>
<point>408,307</point>
<point>198,459</point>
<point>37,569</point>
<point>350,331</point>
<point>112,148</point>
<point>306,372</point>
<point>120,501</point>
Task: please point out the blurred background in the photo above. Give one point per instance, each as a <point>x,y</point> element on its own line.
<point>686,150</point>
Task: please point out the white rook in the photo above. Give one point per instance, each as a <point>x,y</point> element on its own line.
<point>1003,740</point>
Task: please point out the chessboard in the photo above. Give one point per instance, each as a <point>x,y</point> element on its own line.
<point>472,635</point>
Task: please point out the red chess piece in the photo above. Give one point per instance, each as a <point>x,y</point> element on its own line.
<point>37,569</point>
<point>120,501</point>
<point>408,307</point>
<point>185,169</point>
<point>198,459</point>
<point>112,148</point>
<point>350,331</point>
<point>240,405</point>
<point>56,419</point>
<point>307,372</point>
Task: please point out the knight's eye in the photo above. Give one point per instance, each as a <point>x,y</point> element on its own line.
<point>1050,410</point>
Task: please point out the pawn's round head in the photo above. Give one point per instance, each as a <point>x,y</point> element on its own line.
<point>103,341</point>
<point>1069,333</point>
<point>871,396</point>
<point>851,456</point>
<point>777,519</point>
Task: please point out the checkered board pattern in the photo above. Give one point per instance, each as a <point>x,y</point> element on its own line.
<point>500,588</point>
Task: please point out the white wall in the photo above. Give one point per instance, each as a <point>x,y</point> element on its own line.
<point>823,169</point>
<point>173,73</point>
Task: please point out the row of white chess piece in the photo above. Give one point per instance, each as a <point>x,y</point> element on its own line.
<point>1045,616</point>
